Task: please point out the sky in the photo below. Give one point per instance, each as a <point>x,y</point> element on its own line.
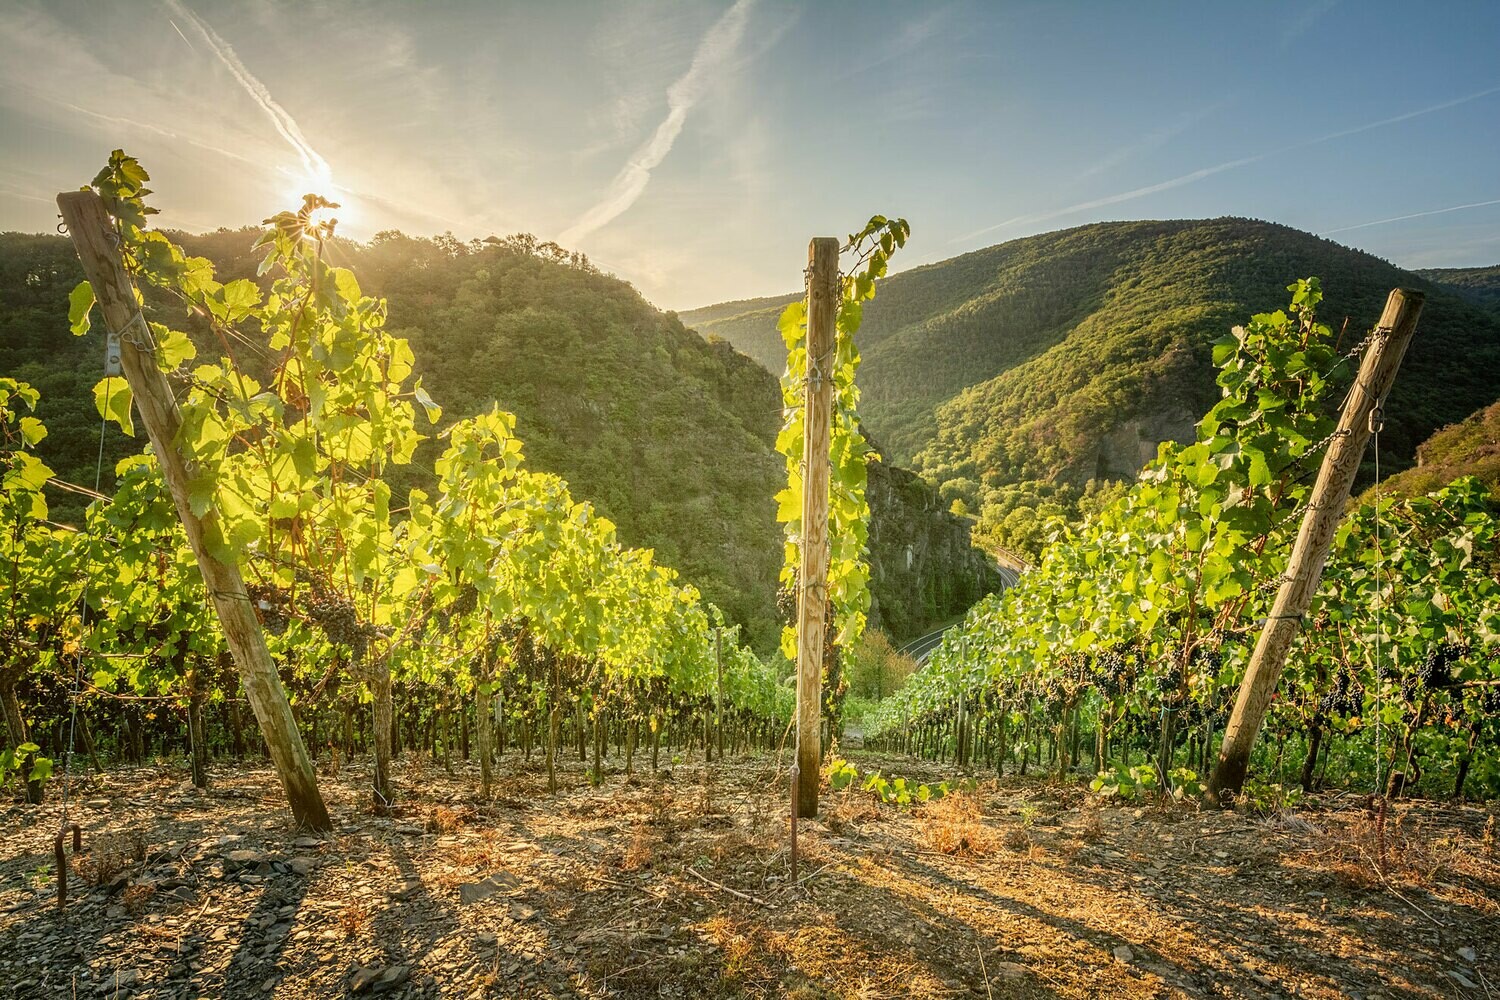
<point>693,148</point>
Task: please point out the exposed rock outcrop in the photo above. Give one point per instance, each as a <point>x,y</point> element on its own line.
<point>924,568</point>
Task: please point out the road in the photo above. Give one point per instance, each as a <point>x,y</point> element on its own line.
<point>921,648</point>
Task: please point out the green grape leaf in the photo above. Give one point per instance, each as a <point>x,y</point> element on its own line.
<point>80,302</point>
<point>112,398</point>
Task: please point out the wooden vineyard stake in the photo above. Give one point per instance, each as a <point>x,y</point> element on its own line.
<point>1325,509</point>
<point>719,697</point>
<point>812,591</point>
<point>94,237</point>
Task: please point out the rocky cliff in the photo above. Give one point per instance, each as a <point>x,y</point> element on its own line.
<point>924,568</point>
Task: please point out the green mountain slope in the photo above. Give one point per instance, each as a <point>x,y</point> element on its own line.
<point>1480,285</point>
<point>1468,448</point>
<point>668,435</point>
<point>1067,356</point>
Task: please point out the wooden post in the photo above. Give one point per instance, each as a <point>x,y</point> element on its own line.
<point>93,234</point>
<point>719,705</point>
<point>812,594</point>
<point>1325,509</point>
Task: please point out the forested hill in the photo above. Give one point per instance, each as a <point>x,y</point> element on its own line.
<point>1065,357</point>
<point>1480,285</point>
<point>1468,448</point>
<point>669,436</point>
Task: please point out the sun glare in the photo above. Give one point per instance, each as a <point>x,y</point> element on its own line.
<point>305,182</point>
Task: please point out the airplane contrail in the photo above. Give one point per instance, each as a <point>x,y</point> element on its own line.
<point>717,45</point>
<point>287,126</point>
<point>1217,168</point>
<point>180,34</point>
<point>156,129</point>
<point>1414,215</point>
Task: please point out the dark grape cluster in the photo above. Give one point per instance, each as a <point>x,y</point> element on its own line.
<point>1346,698</point>
<point>338,620</point>
<point>1193,715</point>
<point>786,604</point>
<point>1436,670</point>
<point>1112,670</point>
<point>1210,661</point>
<point>1171,682</point>
<point>1489,702</point>
<point>270,606</point>
<point>1410,689</point>
<point>464,604</point>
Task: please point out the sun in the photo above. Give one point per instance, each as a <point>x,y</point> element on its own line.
<point>304,181</point>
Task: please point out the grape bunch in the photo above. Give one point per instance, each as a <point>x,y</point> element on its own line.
<point>786,603</point>
<point>1209,661</point>
<point>1112,671</point>
<point>464,604</point>
<point>270,607</point>
<point>1346,698</point>
<point>338,620</point>
<point>1436,670</point>
<point>1410,688</point>
<point>1171,682</point>
<point>1489,702</point>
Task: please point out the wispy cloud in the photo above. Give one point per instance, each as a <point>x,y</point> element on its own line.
<point>1151,140</point>
<point>285,124</point>
<point>1218,168</point>
<point>1414,215</point>
<point>713,51</point>
<point>156,130</point>
<point>899,45</point>
<point>1303,22</point>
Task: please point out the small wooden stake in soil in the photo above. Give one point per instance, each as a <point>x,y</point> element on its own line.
<point>92,232</point>
<point>62,860</point>
<point>1324,511</point>
<point>812,593</point>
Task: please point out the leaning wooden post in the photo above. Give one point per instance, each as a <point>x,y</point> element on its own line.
<point>812,593</point>
<point>93,235</point>
<point>1325,509</point>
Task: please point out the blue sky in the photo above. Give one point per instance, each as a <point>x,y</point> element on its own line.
<point>693,148</point>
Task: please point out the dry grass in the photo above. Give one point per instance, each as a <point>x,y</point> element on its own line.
<point>954,824</point>
<point>1089,828</point>
<point>1400,848</point>
<point>354,918</point>
<point>849,810</point>
<point>135,898</point>
<point>658,805</point>
<point>444,820</point>
<point>746,949</point>
<point>641,851</point>
<point>110,855</point>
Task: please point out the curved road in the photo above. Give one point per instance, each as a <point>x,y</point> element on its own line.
<point>921,648</point>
